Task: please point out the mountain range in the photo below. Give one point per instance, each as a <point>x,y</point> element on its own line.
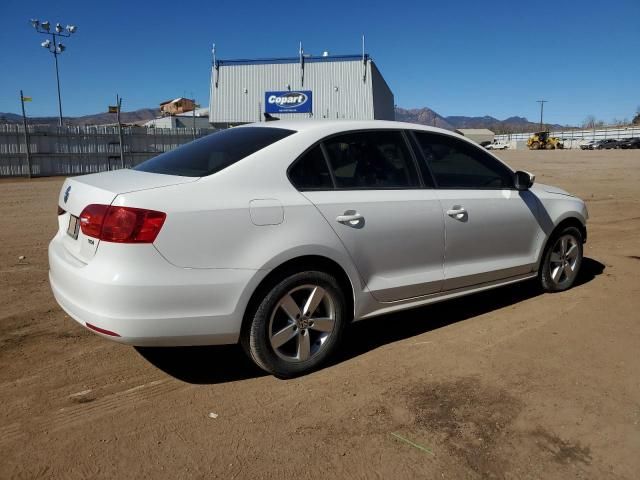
<point>424,116</point>
<point>137,117</point>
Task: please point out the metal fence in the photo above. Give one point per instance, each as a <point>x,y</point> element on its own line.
<point>88,149</point>
<point>573,138</point>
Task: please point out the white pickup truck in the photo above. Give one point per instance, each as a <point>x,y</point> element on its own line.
<point>497,146</point>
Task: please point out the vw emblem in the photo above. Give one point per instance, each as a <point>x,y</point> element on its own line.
<point>66,193</point>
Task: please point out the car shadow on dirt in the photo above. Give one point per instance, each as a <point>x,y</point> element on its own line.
<point>202,365</point>
<point>220,364</point>
<point>370,334</point>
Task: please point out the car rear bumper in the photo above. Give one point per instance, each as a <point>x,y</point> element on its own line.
<point>133,292</point>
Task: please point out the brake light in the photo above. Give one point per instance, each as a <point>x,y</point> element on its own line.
<point>91,220</point>
<point>121,224</point>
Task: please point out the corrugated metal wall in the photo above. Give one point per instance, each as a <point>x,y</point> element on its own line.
<point>383,104</point>
<point>80,150</point>
<point>340,90</point>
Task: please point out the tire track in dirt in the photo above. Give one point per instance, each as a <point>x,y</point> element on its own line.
<point>87,408</point>
<point>11,433</point>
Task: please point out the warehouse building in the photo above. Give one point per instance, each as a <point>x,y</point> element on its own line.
<point>478,135</point>
<point>198,118</point>
<point>177,106</point>
<point>343,87</point>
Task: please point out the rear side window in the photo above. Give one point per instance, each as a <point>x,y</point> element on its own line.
<point>375,160</point>
<point>458,164</point>
<point>311,172</point>
<point>214,152</point>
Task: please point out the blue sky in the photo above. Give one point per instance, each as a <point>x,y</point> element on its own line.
<point>458,58</point>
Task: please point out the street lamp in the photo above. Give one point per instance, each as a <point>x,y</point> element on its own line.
<point>55,47</point>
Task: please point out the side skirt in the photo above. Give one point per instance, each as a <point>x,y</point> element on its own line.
<point>379,308</point>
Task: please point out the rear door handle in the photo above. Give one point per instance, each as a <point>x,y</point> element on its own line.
<point>350,218</point>
<point>458,212</point>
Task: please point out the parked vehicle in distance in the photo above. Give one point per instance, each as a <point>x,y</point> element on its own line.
<point>497,146</point>
<point>607,144</point>
<point>589,144</point>
<point>630,143</point>
<point>277,235</point>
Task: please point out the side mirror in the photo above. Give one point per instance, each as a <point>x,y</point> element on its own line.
<point>523,180</point>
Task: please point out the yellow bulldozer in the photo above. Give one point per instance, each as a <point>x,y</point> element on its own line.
<point>542,141</point>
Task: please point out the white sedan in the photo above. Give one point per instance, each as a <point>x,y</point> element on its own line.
<point>277,235</point>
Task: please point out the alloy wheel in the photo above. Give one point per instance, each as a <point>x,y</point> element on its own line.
<point>301,323</point>
<point>564,260</point>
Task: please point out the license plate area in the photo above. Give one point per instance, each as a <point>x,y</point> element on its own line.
<point>74,227</point>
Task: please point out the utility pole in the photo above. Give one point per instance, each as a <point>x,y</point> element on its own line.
<point>119,107</point>
<point>541,102</point>
<point>26,133</point>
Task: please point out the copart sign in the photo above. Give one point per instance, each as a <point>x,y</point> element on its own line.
<point>288,102</point>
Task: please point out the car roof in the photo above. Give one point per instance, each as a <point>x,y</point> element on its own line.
<point>336,126</point>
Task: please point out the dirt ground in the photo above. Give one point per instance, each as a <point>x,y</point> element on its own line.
<point>509,383</point>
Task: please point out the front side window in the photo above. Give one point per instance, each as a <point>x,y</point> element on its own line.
<point>213,153</point>
<point>310,172</point>
<point>373,160</point>
<point>458,164</point>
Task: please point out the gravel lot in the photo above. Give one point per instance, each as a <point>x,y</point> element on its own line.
<point>505,384</point>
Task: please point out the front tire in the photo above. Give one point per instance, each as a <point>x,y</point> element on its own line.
<point>562,260</point>
<point>297,325</point>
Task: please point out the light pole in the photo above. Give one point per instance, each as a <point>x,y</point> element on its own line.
<point>55,47</point>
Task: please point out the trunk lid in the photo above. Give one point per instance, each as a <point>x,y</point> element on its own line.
<point>101,188</point>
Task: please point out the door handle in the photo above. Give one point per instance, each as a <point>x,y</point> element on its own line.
<point>458,212</point>
<point>350,218</point>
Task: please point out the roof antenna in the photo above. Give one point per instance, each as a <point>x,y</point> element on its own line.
<point>270,118</point>
<point>301,53</point>
<point>214,62</point>
<point>364,62</point>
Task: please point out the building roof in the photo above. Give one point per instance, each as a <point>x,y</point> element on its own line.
<point>307,59</point>
<point>199,112</point>
<point>175,100</point>
<point>474,131</point>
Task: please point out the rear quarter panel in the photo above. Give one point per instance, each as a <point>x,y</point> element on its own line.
<point>209,222</point>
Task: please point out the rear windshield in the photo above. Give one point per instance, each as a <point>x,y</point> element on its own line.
<point>214,152</point>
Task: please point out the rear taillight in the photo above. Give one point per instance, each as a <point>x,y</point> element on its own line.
<point>91,220</point>
<point>121,224</point>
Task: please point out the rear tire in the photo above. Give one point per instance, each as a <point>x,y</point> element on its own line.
<point>562,260</point>
<point>297,325</point>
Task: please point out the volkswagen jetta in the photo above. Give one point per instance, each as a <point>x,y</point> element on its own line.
<point>276,235</point>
